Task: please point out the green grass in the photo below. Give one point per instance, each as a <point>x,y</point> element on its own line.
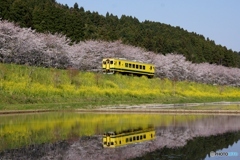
<point>25,87</point>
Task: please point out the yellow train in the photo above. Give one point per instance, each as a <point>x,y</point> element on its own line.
<point>113,139</point>
<point>123,66</point>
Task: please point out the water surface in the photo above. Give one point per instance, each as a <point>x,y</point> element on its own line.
<point>178,136</point>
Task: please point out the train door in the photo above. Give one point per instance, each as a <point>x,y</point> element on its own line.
<point>107,64</point>
<point>108,140</point>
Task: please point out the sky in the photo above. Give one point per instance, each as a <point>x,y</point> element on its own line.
<point>218,20</point>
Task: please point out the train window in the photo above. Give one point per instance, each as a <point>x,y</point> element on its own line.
<point>130,139</point>
<point>143,67</point>
<point>136,66</point>
<point>119,63</point>
<point>140,137</point>
<point>151,136</point>
<point>126,64</point>
<point>126,140</point>
<point>144,136</point>
<point>111,143</point>
<point>111,62</point>
<point>104,62</point>
<point>130,65</point>
<point>119,142</point>
<point>150,67</point>
<point>133,65</point>
<point>137,137</point>
<point>140,66</point>
<point>134,138</point>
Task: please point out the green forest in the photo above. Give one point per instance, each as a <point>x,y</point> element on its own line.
<point>80,25</point>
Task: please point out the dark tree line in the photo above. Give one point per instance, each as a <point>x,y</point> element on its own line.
<point>80,25</point>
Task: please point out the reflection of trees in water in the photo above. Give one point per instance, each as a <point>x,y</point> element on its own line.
<point>168,135</point>
<point>196,148</point>
<point>178,135</point>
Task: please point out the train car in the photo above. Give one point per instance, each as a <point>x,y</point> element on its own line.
<point>113,139</point>
<point>123,66</point>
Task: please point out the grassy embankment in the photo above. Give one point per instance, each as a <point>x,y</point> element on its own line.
<point>24,87</point>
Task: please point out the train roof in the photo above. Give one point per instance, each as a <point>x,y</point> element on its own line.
<point>124,59</point>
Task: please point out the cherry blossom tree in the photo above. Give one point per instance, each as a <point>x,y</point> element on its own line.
<point>25,46</point>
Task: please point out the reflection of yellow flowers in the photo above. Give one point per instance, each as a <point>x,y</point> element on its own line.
<point>41,128</point>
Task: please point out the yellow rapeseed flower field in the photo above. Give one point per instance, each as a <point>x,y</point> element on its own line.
<point>21,84</point>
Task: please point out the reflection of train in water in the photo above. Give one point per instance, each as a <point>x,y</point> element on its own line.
<point>113,139</point>
<point>123,66</point>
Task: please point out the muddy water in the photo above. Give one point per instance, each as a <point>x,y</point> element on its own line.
<point>70,135</point>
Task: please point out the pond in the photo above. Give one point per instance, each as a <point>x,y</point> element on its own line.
<point>79,135</point>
